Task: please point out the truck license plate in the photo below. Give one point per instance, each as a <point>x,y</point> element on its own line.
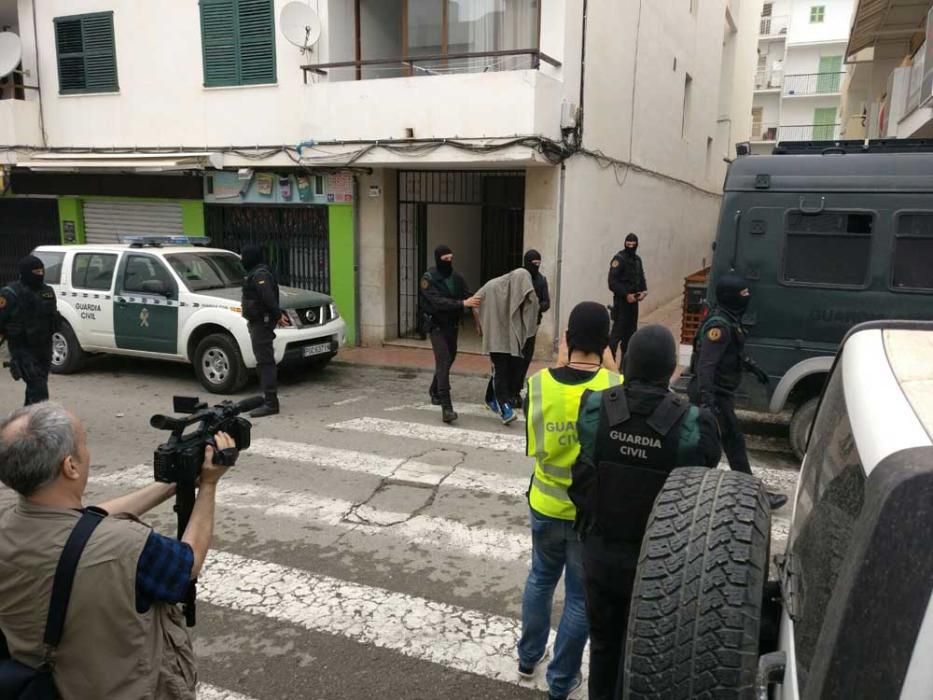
<point>316,349</point>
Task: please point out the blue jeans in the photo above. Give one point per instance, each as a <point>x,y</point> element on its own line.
<point>555,548</point>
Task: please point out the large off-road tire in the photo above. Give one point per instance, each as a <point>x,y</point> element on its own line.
<point>67,355</point>
<point>800,424</point>
<point>218,364</point>
<point>696,606</point>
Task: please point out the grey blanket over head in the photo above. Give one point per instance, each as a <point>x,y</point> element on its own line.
<point>509,312</point>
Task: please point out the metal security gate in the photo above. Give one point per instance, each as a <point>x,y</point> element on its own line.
<point>500,193</point>
<point>106,221</point>
<point>25,224</point>
<point>295,239</point>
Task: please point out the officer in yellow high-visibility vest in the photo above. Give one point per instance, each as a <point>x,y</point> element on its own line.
<point>551,410</point>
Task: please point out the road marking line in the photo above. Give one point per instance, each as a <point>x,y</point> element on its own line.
<point>426,630</point>
<point>212,692</point>
<point>498,442</point>
<point>464,409</point>
<point>399,468</point>
<point>430,532</point>
<point>347,402</point>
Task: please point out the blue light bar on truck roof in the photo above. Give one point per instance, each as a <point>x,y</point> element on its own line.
<point>159,241</point>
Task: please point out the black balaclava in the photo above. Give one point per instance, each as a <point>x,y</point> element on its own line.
<point>629,238</point>
<point>530,256</point>
<point>651,356</point>
<point>251,256</point>
<point>728,293</point>
<point>444,267</point>
<point>27,276</point>
<point>588,328</point>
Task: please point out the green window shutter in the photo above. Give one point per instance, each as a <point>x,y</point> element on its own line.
<point>257,41</point>
<point>218,42</point>
<point>238,42</point>
<point>87,59</point>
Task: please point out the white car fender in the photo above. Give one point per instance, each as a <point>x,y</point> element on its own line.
<point>229,320</point>
<point>70,314</point>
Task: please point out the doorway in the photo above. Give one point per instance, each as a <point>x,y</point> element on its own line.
<point>479,214</point>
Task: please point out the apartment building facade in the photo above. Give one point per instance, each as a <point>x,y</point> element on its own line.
<point>888,92</point>
<point>800,71</point>
<point>491,125</point>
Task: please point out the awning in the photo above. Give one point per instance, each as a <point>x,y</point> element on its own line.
<point>117,162</point>
<point>887,26</point>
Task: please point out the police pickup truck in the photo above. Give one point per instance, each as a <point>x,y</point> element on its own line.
<point>172,300</point>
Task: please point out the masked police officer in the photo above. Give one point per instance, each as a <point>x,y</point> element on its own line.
<point>717,364</point>
<point>261,309</point>
<point>28,318</point>
<point>628,287</point>
<point>444,296</point>
<point>631,437</point>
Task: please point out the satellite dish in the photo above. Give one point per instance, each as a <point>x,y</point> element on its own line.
<point>11,53</point>
<point>300,24</point>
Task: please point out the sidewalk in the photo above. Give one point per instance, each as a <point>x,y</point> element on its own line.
<point>468,363</point>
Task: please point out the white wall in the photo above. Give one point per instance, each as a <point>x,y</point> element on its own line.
<point>162,100</point>
<point>835,26</point>
<point>459,226</point>
<point>675,227</point>
<point>806,59</point>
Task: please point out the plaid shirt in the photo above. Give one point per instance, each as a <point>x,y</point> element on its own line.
<point>163,571</point>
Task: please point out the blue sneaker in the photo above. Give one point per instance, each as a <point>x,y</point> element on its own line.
<point>508,415</point>
<point>493,405</point>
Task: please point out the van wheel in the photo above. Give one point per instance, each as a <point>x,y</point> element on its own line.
<point>696,606</point>
<point>218,364</point>
<point>800,424</point>
<point>67,355</point>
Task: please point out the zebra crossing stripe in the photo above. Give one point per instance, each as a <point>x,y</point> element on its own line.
<point>212,692</point>
<point>499,442</point>
<point>426,630</point>
<point>430,532</point>
<point>464,409</point>
<point>394,468</point>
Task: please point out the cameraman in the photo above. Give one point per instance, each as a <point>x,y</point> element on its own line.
<point>124,634</point>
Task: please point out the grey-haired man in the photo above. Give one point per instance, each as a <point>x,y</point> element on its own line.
<point>123,635</point>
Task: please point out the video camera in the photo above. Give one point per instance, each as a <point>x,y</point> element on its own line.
<point>178,461</point>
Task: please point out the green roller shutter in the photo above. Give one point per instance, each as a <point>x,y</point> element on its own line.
<point>87,59</point>
<point>238,42</point>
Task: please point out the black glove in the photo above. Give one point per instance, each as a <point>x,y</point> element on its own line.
<point>709,403</point>
<point>759,373</point>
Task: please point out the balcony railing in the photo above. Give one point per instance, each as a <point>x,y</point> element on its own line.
<point>769,79</point>
<point>812,84</point>
<point>440,64</point>
<point>769,133</point>
<point>773,26</point>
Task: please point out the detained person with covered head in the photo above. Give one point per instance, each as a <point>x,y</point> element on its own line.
<point>552,408</point>
<point>123,636</point>
<point>631,437</point>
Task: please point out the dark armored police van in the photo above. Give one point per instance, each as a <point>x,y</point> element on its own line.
<point>829,234</point>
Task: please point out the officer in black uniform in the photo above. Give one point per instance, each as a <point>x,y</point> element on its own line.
<point>532,263</point>
<point>444,296</point>
<point>717,364</point>
<point>261,309</point>
<point>28,318</point>
<point>631,437</point>
<point>628,287</point>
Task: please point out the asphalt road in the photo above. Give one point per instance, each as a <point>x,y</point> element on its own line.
<point>363,549</point>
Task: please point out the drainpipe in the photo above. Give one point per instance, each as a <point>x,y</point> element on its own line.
<point>560,256</point>
<point>582,75</point>
<point>35,39</point>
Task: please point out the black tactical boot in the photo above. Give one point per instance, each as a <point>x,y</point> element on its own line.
<point>448,414</point>
<point>269,408</point>
<point>776,500</point>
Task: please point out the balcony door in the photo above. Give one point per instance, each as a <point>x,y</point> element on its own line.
<point>430,37</point>
<point>830,75</point>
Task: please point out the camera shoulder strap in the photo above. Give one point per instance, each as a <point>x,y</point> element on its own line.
<point>64,579</point>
